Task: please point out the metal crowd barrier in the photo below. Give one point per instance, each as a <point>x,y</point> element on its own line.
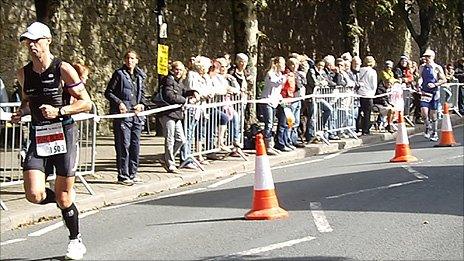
<point>14,141</point>
<point>202,125</point>
<point>334,111</point>
<point>449,92</point>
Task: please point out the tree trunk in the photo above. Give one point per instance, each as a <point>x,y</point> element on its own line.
<point>460,11</point>
<point>45,9</point>
<point>246,41</point>
<point>351,28</point>
<point>426,16</point>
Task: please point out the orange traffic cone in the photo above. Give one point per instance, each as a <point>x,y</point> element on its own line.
<point>446,133</point>
<point>265,203</point>
<point>402,150</point>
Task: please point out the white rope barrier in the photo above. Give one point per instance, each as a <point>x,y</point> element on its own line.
<point>5,116</point>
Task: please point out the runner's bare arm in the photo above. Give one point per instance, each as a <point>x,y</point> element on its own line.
<point>83,102</point>
<point>24,107</point>
<point>74,86</point>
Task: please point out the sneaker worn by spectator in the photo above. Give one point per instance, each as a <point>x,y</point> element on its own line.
<point>291,147</point>
<point>126,182</point>
<point>172,169</point>
<point>299,145</point>
<point>76,249</point>
<point>390,129</point>
<point>190,166</point>
<point>333,137</point>
<point>272,152</point>
<point>284,149</point>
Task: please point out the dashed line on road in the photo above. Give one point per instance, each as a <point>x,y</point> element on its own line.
<point>319,217</point>
<point>416,173</point>
<point>330,156</point>
<point>225,181</point>
<point>180,193</point>
<point>50,228</point>
<point>296,164</point>
<point>377,188</point>
<point>12,241</point>
<point>268,248</point>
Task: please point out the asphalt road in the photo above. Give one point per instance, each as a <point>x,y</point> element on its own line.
<point>344,206</point>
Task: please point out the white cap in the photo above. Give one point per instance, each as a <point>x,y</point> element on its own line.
<point>429,52</point>
<point>242,57</point>
<point>36,31</point>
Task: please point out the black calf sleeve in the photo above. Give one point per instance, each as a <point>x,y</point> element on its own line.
<point>71,219</point>
<point>49,198</point>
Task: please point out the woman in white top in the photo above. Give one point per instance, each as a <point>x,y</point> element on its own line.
<point>272,87</point>
<point>367,87</point>
<point>200,83</point>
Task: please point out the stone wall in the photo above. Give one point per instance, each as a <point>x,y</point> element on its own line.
<point>98,32</point>
<point>14,17</point>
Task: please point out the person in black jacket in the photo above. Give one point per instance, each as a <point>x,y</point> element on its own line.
<point>126,93</point>
<point>172,92</point>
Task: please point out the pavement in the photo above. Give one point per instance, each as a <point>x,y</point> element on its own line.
<point>21,213</point>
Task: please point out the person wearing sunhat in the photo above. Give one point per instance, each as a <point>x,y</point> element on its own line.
<point>431,77</point>
<point>48,83</point>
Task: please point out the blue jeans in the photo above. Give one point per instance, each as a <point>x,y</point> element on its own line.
<point>236,133</point>
<point>282,136</point>
<point>268,117</point>
<point>127,144</point>
<point>296,110</point>
<point>186,150</point>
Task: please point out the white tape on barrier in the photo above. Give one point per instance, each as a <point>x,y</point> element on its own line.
<point>82,116</point>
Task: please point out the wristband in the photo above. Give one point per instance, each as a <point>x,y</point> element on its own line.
<point>61,111</point>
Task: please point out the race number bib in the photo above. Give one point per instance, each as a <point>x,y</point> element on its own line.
<point>426,97</point>
<point>50,140</point>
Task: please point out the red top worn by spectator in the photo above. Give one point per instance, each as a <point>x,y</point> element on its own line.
<point>288,90</point>
<point>407,75</point>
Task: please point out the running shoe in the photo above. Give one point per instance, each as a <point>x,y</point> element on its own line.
<point>426,134</point>
<point>76,249</point>
<point>434,137</point>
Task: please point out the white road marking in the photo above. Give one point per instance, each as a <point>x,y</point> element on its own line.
<point>259,250</point>
<point>297,164</point>
<point>319,217</point>
<point>181,193</point>
<point>117,206</point>
<point>333,155</point>
<point>416,173</point>
<point>50,228</point>
<point>225,181</point>
<point>46,229</point>
<point>377,188</point>
<point>12,241</point>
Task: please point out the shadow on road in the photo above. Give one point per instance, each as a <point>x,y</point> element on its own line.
<point>440,194</point>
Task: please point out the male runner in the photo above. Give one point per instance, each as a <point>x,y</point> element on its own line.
<point>47,86</point>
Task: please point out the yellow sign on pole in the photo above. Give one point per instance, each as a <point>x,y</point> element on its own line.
<point>163,59</point>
